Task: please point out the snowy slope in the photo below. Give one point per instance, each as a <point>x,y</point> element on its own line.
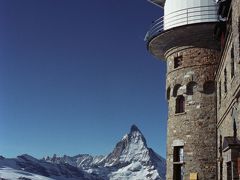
<point>27,167</point>
<point>9,173</point>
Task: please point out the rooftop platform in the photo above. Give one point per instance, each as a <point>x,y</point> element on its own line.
<point>187,27</point>
<point>196,35</point>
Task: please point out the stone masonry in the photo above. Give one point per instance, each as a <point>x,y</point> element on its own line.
<point>196,126</point>
<point>228,105</point>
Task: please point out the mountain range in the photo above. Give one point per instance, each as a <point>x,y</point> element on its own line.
<point>131,159</point>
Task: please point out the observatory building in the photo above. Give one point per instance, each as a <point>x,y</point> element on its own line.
<point>199,40</point>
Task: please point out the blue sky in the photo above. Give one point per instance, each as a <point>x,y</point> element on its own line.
<point>75,75</point>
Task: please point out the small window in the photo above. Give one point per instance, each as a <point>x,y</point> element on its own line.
<point>175,90</point>
<point>232,52</point>
<point>232,62</point>
<point>168,93</point>
<point>232,68</point>
<point>178,172</point>
<point>180,103</point>
<point>191,88</point>
<point>229,170</point>
<point>220,92</point>
<point>178,163</point>
<point>178,154</point>
<point>225,80</point>
<point>209,87</point>
<point>178,61</point>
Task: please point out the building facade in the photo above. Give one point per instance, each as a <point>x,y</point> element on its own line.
<point>228,91</point>
<point>199,40</point>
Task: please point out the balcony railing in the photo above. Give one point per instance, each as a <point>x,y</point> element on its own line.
<point>182,17</point>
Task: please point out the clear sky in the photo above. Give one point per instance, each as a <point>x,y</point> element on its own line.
<point>76,74</point>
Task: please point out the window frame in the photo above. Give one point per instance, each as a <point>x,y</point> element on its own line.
<point>180,104</point>
<point>178,61</point>
<point>178,161</point>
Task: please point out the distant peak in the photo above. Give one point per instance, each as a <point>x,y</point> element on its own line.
<point>134,128</point>
<point>136,133</point>
<point>27,157</point>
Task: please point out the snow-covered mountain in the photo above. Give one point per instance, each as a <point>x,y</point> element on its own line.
<point>134,160</point>
<point>26,167</point>
<point>131,159</point>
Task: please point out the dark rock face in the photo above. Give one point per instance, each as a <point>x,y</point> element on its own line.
<point>134,128</point>
<point>113,158</point>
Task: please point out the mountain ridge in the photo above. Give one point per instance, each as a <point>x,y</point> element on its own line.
<point>130,159</point>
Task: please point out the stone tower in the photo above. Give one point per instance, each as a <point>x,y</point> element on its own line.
<point>183,38</point>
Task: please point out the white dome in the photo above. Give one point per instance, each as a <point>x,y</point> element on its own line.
<point>182,12</point>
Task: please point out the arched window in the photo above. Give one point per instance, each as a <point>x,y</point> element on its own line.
<point>168,93</point>
<point>191,88</point>
<point>180,104</point>
<point>209,87</point>
<point>175,90</point>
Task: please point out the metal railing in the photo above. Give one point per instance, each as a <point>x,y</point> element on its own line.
<point>183,17</point>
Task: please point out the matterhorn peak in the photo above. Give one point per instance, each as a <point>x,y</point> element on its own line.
<point>134,128</point>
<point>132,147</point>
<point>136,134</point>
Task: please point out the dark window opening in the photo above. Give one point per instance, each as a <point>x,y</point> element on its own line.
<point>168,93</point>
<point>229,171</point>
<point>223,9</point>
<point>224,25</point>
<point>239,33</point>
<point>178,61</point>
<point>180,103</point>
<point>175,90</point>
<point>209,87</point>
<point>178,154</point>
<point>225,80</point>
<point>178,172</point>
<point>191,88</point>
<point>232,68</point>
<point>232,62</point>
<point>220,92</point>
<point>178,163</point>
<point>232,52</point>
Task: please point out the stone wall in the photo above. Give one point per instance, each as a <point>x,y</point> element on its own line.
<point>229,101</point>
<point>196,127</point>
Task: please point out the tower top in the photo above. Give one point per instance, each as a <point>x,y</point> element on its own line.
<point>186,22</point>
